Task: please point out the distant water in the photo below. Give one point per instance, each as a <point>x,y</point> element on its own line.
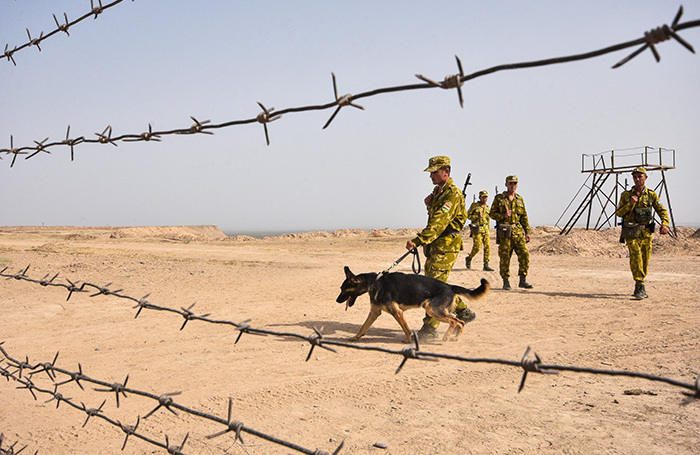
<point>261,234</point>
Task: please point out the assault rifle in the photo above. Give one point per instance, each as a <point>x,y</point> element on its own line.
<point>466,184</point>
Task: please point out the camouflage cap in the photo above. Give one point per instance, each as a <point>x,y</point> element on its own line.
<point>483,193</point>
<point>639,170</point>
<point>437,162</point>
<point>512,178</point>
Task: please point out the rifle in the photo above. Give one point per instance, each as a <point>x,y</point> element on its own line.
<point>466,184</point>
<point>464,191</point>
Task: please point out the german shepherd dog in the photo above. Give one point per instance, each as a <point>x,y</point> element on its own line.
<point>396,292</point>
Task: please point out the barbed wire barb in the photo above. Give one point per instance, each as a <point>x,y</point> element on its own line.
<point>175,450</point>
<point>232,425</point>
<point>11,449</point>
<point>266,117</point>
<point>189,315</point>
<point>91,411</point>
<point>106,136</point>
<point>656,36</point>
<point>129,430</point>
<point>62,27</point>
<point>345,100</point>
<point>531,365</point>
<point>198,127</point>
<point>452,81</point>
<point>35,41</point>
<point>56,395</point>
<point>315,339</point>
<point>72,142</point>
<point>164,401</point>
<point>145,136</point>
<point>117,388</point>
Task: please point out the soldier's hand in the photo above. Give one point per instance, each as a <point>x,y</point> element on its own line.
<point>410,246</point>
<point>634,199</point>
<point>508,212</point>
<point>527,238</point>
<point>428,200</point>
<point>663,229</point>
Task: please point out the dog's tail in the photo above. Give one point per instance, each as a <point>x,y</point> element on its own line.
<point>472,294</point>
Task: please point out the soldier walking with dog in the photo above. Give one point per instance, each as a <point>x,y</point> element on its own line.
<point>635,209</point>
<point>441,236</point>
<point>513,232</point>
<point>478,214</point>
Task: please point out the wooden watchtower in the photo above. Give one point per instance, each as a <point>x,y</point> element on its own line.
<point>599,195</point>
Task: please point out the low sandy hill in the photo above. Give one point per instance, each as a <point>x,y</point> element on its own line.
<point>179,233</point>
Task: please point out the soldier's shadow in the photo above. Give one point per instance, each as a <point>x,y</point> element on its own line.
<point>341,331</point>
<point>578,295</point>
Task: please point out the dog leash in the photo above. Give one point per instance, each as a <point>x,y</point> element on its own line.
<point>414,267</point>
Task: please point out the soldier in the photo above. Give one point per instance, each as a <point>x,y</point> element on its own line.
<point>635,209</point>
<point>479,215</point>
<point>446,218</point>
<point>513,232</point>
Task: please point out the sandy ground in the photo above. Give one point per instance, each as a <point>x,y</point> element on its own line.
<point>580,313</point>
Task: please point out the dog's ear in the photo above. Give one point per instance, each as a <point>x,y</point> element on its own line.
<point>348,273</point>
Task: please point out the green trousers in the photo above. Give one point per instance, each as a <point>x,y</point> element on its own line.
<point>505,252</point>
<point>438,266</point>
<point>482,238</point>
<point>640,253</point>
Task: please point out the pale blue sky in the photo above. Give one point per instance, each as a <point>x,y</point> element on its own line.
<point>159,62</point>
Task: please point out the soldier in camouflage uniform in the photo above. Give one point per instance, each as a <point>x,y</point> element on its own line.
<point>513,232</point>
<point>446,218</point>
<point>635,209</point>
<point>478,214</point>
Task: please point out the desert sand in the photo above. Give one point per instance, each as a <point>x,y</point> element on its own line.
<point>580,313</point>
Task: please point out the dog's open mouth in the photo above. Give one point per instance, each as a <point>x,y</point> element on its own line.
<point>350,302</point>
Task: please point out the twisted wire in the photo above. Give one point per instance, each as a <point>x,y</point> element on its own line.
<point>266,116</point>
<point>526,363</point>
<point>60,27</point>
<point>24,373</point>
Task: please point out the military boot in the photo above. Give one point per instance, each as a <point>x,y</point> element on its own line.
<point>487,268</point>
<point>644,292</point>
<point>638,292</point>
<point>506,284</point>
<point>523,283</point>
<point>469,262</point>
<point>466,315</point>
<point>427,333</point>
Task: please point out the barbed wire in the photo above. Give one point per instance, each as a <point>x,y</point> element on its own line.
<point>10,450</point>
<point>165,401</point>
<point>94,10</point>
<point>268,115</point>
<point>527,363</point>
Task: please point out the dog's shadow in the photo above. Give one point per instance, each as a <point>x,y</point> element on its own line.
<point>342,331</point>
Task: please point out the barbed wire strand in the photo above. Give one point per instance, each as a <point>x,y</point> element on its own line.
<point>11,449</point>
<point>94,10</point>
<point>316,339</point>
<point>28,370</point>
<point>455,81</point>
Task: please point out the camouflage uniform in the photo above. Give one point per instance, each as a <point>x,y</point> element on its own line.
<point>446,218</point>
<point>520,227</point>
<point>482,237</point>
<point>640,247</point>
